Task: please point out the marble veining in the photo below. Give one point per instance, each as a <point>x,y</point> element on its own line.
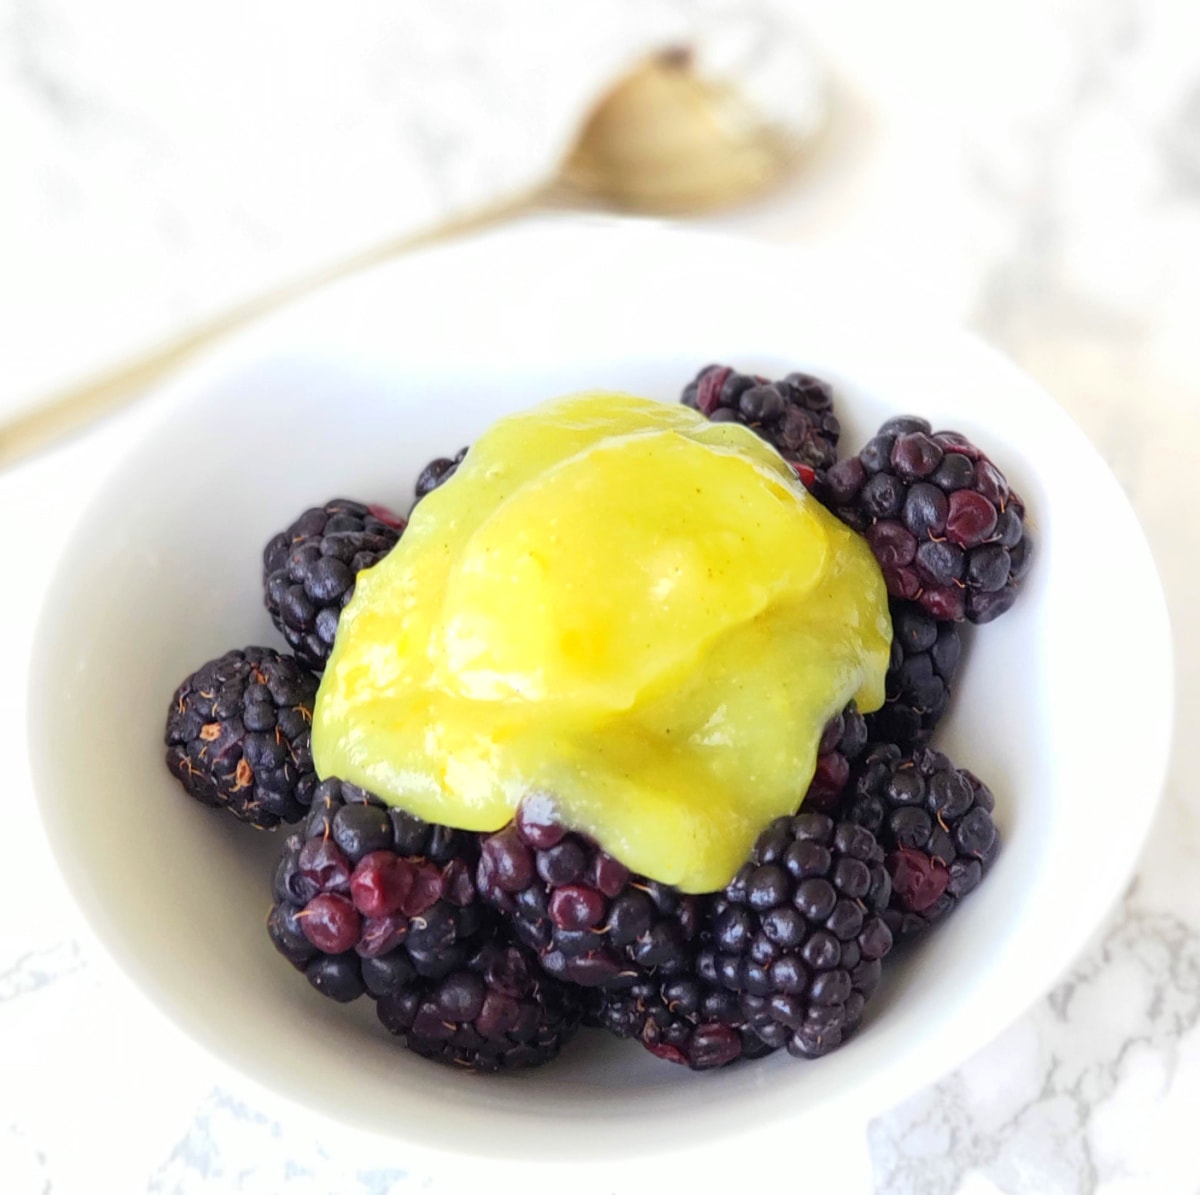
<point>223,1149</point>
<point>1062,1100</point>
<point>30,972</point>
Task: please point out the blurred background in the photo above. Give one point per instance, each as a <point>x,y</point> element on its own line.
<point>1036,163</point>
<point>168,172</point>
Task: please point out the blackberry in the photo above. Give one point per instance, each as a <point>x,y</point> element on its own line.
<point>935,823</point>
<point>309,570</point>
<point>946,527</point>
<point>370,898</point>
<point>497,1012</point>
<point>843,741</point>
<point>590,921</point>
<point>794,415</point>
<point>925,657</point>
<point>799,932</point>
<point>437,472</point>
<point>682,1020</point>
<point>238,736</point>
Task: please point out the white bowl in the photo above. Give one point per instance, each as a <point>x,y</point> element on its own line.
<point>1062,709</point>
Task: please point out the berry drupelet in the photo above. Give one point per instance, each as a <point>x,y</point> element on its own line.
<point>238,736</point>
<point>794,415</point>
<point>590,921</point>
<point>437,472</point>
<point>683,1020</point>
<point>497,1012</point>
<point>843,741</point>
<point>799,934</point>
<point>935,823</point>
<point>369,898</point>
<point>925,657</point>
<point>309,570</point>
<point>946,527</point>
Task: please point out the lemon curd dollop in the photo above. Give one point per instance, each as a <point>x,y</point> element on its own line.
<point>636,614</point>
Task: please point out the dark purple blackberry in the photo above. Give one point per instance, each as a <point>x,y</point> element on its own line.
<point>370,898</point>
<point>794,415</point>
<point>496,1012</point>
<point>682,1020</point>
<point>799,932</point>
<point>309,570</point>
<point>238,736</point>
<point>925,657</point>
<point>946,527</point>
<point>933,820</point>
<point>843,741</point>
<point>590,921</point>
<point>437,472</point>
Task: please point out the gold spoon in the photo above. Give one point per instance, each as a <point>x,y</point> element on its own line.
<point>668,138</point>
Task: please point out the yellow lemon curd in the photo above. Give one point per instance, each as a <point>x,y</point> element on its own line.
<point>636,615</point>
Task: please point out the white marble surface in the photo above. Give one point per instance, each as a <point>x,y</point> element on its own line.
<point>161,165</point>
<point>164,163</point>
<point>1037,162</point>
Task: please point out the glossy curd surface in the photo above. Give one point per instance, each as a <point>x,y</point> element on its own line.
<point>636,614</point>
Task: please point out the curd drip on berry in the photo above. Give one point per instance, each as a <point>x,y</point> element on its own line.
<point>638,615</point>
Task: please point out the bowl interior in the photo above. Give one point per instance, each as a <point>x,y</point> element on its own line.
<point>350,394</point>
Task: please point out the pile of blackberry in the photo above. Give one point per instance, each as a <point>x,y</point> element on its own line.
<point>946,527</point>
<point>372,900</point>
<point>843,741</point>
<point>685,1020</point>
<point>799,932</point>
<point>935,823</point>
<point>309,570</point>
<point>498,1012</point>
<point>924,661</point>
<point>487,951</point>
<point>237,736</point>
<point>794,415</point>
<point>590,921</point>
<point>363,880</point>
